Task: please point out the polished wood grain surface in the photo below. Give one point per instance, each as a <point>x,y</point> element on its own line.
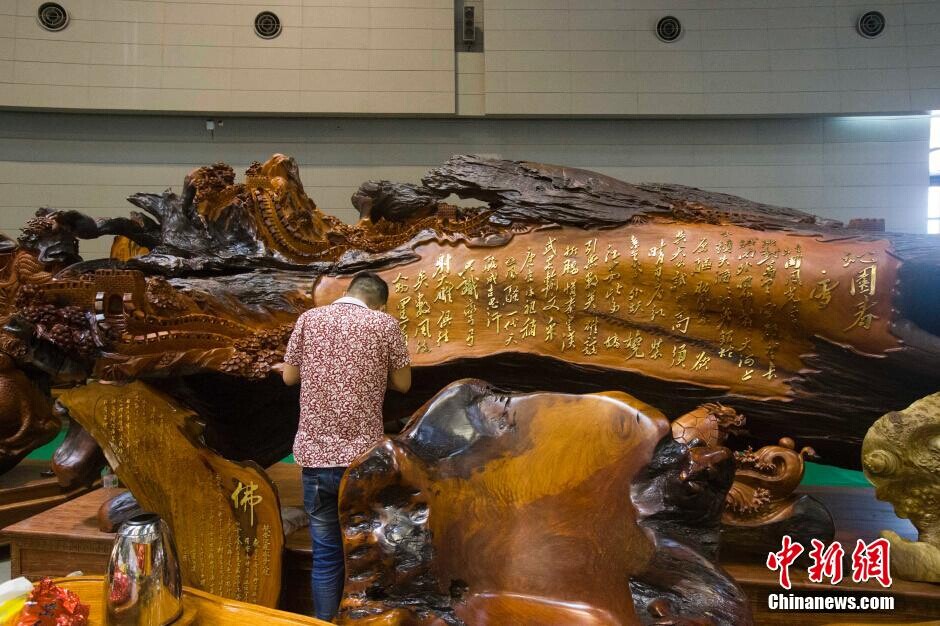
<point>225,516</point>
<point>496,508</point>
<point>199,608</point>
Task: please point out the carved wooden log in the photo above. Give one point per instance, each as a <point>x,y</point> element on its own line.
<point>502,509</point>
<point>578,281</point>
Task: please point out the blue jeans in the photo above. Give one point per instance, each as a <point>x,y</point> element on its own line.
<point>321,494</point>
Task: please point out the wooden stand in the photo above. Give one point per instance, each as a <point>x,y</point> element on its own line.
<point>199,608</point>
<point>65,539</point>
<point>24,492</point>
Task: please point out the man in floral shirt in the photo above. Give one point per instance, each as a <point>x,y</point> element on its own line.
<point>344,355</point>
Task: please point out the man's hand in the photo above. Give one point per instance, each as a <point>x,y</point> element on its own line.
<point>400,379</point>
<point>290,374</point>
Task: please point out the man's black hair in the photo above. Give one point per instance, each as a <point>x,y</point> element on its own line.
<point>370,285</point>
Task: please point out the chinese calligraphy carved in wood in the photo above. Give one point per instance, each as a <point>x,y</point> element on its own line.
<point>225,516</point>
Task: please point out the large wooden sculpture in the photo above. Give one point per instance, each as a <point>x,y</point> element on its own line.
<point>528,509</point>
<point>558,278</point>
<point>901,457</point>
<point>681,295</point>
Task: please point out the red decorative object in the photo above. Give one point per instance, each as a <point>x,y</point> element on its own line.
<point>50,605</point>
<point>121,589</point>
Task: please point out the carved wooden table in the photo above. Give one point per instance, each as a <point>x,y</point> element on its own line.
<point>66,539</point>
<point>199,608</point>
<point>24,492</point>
<point>62,540</point>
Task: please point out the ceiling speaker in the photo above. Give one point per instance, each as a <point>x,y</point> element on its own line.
<point>871,24</point>
<point>267,25</point>
<point>668,29</point>
<point>52,16</point>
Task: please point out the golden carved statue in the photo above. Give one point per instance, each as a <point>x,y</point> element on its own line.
<point>901,458</point>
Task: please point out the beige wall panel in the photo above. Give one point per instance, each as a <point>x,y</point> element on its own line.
<point>752,56</point>
<point>583,103</point>
<point>419,4</point>
<point>265,80</point>
<point>673,103</point>
<point>189,78</point>
<point>198,34</point>
<point>52,51</point>
<point>418,103</point>
<point>411,18</point>
<point>122,76</point>
<point>470,84</point>
<point>261,58</point>
<point>339,101</point>
<point>411,38</point>
<point>125,54</point>
<point>412,59</point>
<point>336,59</point>
<point>205,56</point>
<point>413,81</point>
<point>28,73</point>
<point>198,55</point>
<point>334,80</point>
<point>334,38</point>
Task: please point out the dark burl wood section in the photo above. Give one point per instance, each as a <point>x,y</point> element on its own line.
<point>531,509</point>
<point>560,278</point>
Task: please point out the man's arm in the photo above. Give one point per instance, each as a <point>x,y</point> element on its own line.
<point>291,373</point>
<point>400,379</point>
<point>399,361</point>
<point>289,369</point>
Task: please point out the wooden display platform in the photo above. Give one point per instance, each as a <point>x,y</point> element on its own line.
<point>199,608</point>
<point>24,492</point>
<point>66,539</point>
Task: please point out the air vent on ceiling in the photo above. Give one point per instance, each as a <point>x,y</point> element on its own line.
<point>871,24</point>
<point>267,25</point>
<point>668,29</point>
<point>52,16</point>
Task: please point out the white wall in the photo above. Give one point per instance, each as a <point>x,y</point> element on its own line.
<point>336,56</point>
<point>735,57</point>
<point>838,167</point>
<point>542,57</point>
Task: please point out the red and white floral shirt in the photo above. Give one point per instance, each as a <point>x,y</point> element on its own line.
<point>345,351</point>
